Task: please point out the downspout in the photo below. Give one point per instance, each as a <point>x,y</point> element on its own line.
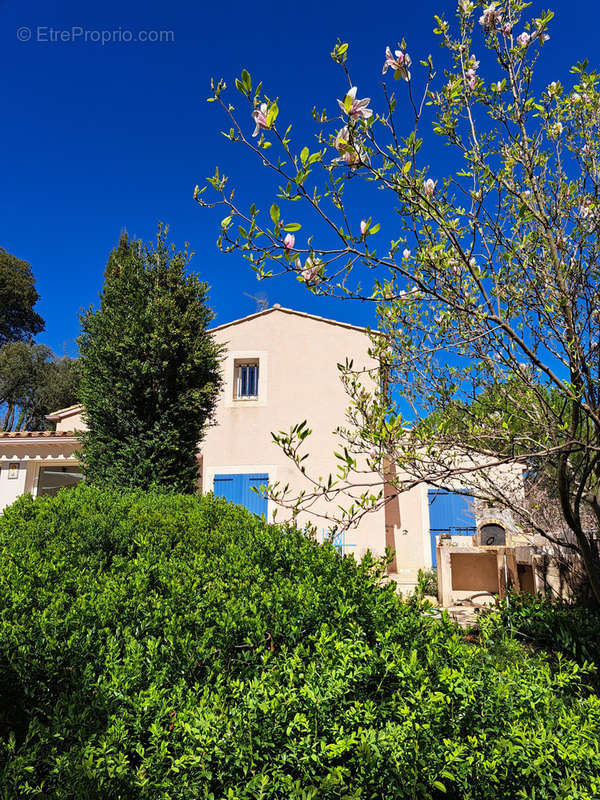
<point>391,510</point>
<point>390,491</point>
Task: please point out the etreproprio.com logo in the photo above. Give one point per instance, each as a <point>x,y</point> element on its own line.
<point>78,34</point>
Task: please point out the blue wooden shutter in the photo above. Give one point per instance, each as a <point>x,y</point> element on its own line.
<point>238,489</point>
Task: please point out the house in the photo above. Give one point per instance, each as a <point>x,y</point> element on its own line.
<point>280,368</point>
<point>40,462</point>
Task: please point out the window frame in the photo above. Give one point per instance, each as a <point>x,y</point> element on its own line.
<point>240,364</point>
<point>234,357</point>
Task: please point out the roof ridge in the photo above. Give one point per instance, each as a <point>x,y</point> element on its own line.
<point>277,307</point>
<point>63,412</point>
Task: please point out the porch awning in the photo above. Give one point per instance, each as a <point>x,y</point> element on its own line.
<point>38,445</point>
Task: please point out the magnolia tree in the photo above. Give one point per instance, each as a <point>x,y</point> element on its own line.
<point>484,280</point>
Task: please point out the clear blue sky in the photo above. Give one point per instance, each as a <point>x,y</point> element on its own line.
<point>99,138</point>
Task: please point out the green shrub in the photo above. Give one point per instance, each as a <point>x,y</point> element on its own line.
<point>156,646</point>
<point>554,625</point>
<point>427,583</point>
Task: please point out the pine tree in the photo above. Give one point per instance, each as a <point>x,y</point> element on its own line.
<point>34,382</point>
<point>18,320</point>
<point>150,371</point>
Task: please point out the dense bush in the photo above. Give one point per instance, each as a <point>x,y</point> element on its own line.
<point>555,625</point>
<point>158,646</point>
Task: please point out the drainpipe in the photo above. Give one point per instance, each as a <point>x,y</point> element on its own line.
<point>391,510</point>
<point>390,491</point>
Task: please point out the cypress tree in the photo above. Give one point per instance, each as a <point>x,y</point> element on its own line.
<point>150,371</point>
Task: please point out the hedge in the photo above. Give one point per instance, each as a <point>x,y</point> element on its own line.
<point>555,625</point>
<point>156,646</point>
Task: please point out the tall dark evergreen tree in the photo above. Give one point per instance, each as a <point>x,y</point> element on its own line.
<point>18,320</point>
<point>150,370</point>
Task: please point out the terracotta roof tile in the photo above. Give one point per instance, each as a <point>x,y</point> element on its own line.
<point>36,434</point>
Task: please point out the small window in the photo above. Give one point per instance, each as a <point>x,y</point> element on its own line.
<point>246,380</point>
<point>51,479</point>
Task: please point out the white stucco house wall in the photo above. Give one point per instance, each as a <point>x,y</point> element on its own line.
<point>280,368</point>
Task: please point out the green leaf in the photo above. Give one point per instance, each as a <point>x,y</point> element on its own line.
<point>275,214</point>
<point>291,227</point>
<point>272,114</point>
<point>304,155</point>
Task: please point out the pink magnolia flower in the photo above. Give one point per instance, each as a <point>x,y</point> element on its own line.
<point>404,295</point>
<point>523,39</point>
<point>429,187</point>
<point>363,227</point>
<point>541,35</point>
<point>575,97</point>
<point>585,209</point>
<point>399,62</point>
<point>358,108</point>
<point>259,115</point>
<point>289,241</point>
<point>464,5</point>
<point>406,253</point>
<point>348,153</point>
<point>311,271</point>
<point>343,146</point>
<point>506,29</point>
<point>491,17</point>
<point>471,77</point>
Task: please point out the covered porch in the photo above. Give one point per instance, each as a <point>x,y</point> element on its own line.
<point>38,463</point>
